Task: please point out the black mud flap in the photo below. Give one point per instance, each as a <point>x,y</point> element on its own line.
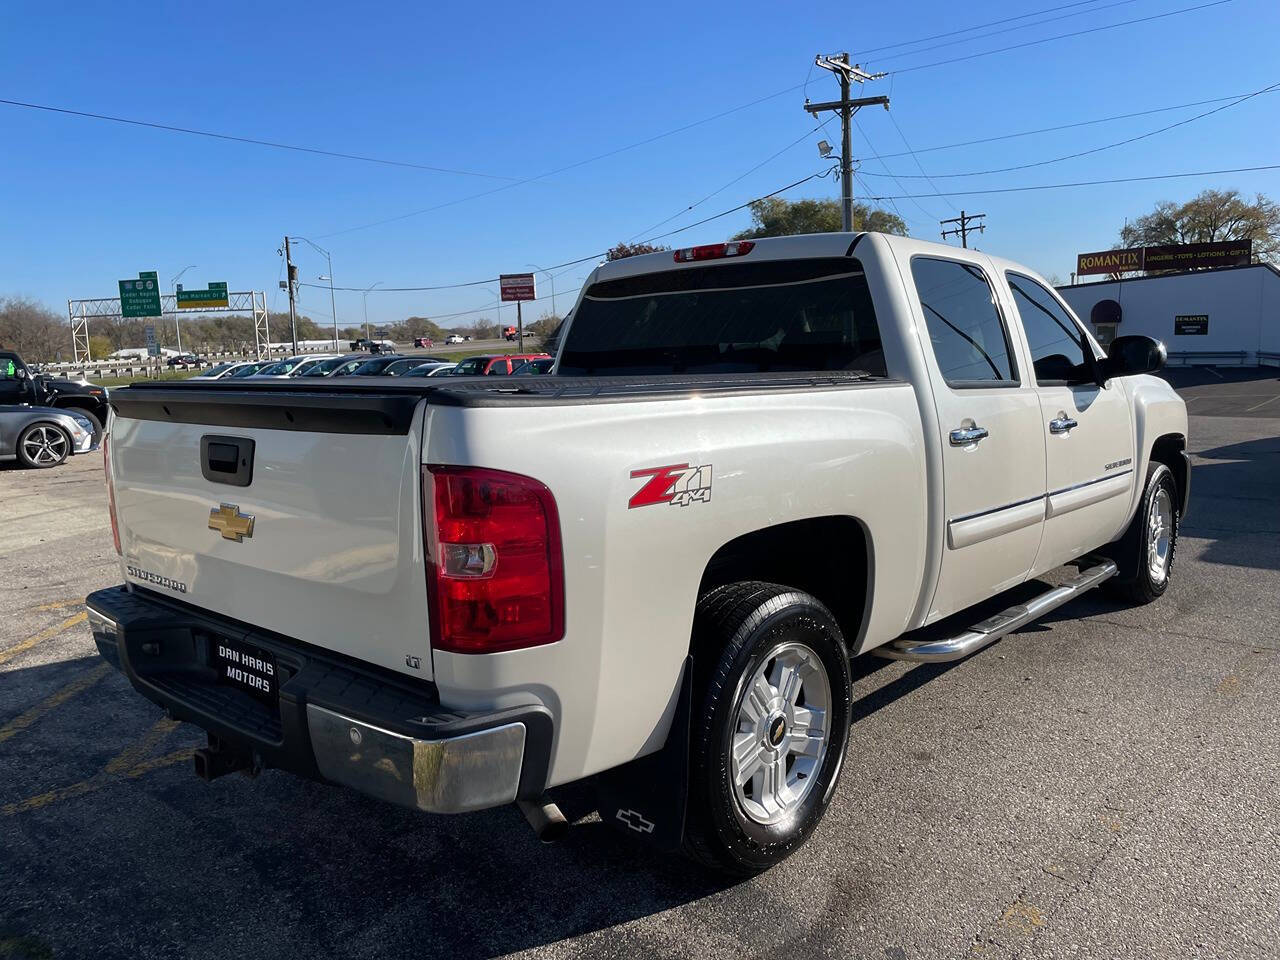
<point>646,798</point>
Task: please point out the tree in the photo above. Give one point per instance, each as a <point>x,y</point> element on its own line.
<point>624,250</point>
<point>1211,215</point>
<point>776,217</point>
<point>544,326</point>
<point>33,330</point>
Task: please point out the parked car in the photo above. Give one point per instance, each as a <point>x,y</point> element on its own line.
<point>402,366</point>
<point>222,370</point>
<point>431,370</point>
<point>376,365</point>
<point>789,452</point>
<point>492,364</point>
<point>336,366</point>
<point>249,369</point>
<point>423,342</point>
<point>20,385</point>
<point>290,367</point>
<point>534,368</point>
<point>43,437</point>
<point>456,338</point>
<point>183,360</point>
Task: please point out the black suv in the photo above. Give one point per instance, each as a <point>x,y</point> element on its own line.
<point>19,385</point>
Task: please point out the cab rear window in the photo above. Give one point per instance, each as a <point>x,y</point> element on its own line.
<point>788,315</point>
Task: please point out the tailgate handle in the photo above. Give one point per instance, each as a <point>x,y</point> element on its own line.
<point>227,460</point>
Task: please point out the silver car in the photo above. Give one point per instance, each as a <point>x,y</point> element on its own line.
<point>44,436</point>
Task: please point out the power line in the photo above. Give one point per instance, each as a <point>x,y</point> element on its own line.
<point>1021,26</point>
<point>567,167</point>
<point>1063,126</point>
<point>1081,183</point>
<point>1072,156</point>
<point>1060,36</point>
<point>872,148</point>
<point>594,256</point>
<point>170,128</point>
<point>978,26</point>
<point>919,166</point>
<point>726,186</point>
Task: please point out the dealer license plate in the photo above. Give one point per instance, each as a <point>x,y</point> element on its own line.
<point>248,668</point>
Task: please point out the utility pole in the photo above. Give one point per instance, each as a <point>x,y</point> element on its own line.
<point>846,107</point>
<point>292,272</point>
<point>963,230</point>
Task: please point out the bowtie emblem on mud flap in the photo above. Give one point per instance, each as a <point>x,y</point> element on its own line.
<point>227,519</point>
<point>635,820</point>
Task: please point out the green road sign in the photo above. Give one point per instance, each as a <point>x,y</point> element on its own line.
<point>215,296</point>
<point>141,297</point>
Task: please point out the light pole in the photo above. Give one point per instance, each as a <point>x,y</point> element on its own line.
<point>365,295</point>
<point>333,305</point>
<point>173,285</point>
<point>552,277</point>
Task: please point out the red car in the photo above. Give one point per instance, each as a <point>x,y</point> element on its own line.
<point>492,365</point>
<point>423,342</point>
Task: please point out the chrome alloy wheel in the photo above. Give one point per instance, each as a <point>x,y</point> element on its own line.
<point>1159,535</point>
<point>45,445</point>
<point>780,737</point>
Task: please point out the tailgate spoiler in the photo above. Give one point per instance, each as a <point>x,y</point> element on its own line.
<point>361,412</point>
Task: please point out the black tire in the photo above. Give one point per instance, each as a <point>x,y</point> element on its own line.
<point>1136,582</point>
<point>36,461</point>
<point>736,628</point>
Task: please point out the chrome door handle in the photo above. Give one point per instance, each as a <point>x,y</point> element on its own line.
<point>964,436</point>
<point>1062,425</point>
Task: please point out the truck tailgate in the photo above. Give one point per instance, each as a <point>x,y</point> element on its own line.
<point>324,542</point>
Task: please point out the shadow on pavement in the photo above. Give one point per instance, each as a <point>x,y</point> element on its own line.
<point>162,864</point>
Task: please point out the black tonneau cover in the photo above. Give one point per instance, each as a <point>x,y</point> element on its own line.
<point>386,404</point>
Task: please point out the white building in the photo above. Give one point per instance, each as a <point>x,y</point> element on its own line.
<point>1226,316</point>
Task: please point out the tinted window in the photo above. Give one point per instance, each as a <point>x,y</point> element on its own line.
<point>1057,346</point>
<point>964,326</point>
<point>471,365</point>
<point>735,317</point>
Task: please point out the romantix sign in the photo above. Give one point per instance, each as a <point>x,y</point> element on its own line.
<point>1191,325</point>
<point>1175,256</point>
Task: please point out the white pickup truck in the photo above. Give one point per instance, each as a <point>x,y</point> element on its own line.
<point>752,463</point>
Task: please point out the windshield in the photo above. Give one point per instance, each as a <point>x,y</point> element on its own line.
<point>220,368</point>
<point>370,367</point>
<point>472,365</point>
<point>323,367</point>
<point>249,370</point>
<point>782,315</point>
<point>276,369</point>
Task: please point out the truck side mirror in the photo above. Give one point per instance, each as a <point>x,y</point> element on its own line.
<point>1131,355</point>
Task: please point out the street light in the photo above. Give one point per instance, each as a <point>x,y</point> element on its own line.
<point>552,277</point>
<point>173,285</point>
<point>366,308</point>
<point>333,305</point>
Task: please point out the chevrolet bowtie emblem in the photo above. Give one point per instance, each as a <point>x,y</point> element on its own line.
<point>227,519</point>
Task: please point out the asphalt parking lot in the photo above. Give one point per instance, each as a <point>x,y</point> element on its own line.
<point>1100,784</point>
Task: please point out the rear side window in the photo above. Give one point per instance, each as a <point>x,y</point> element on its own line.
<point>782,315</point>
<point>1057,346</point>
<point>968,336</point>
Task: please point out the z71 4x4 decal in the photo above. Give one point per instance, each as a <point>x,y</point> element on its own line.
<point>678,484</point>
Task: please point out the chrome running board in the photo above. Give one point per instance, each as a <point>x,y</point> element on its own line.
<point>993,628</point>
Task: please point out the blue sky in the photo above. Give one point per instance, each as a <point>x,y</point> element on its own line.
<point>516,90</point>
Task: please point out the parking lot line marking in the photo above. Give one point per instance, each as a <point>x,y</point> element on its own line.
<point>42,636</point>
<point>28,717</point>
<point>132,755</point>
<point>97,782</point>
<point>1263,404</point>
<point>58,605</point>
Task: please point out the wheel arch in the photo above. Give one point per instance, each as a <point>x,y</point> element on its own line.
<point>831,557</point>
<point>1171,450</point>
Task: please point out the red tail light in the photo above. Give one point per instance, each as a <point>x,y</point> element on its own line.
<point>111,491</point>
<point>714,251</point>
<point>495,572</point>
